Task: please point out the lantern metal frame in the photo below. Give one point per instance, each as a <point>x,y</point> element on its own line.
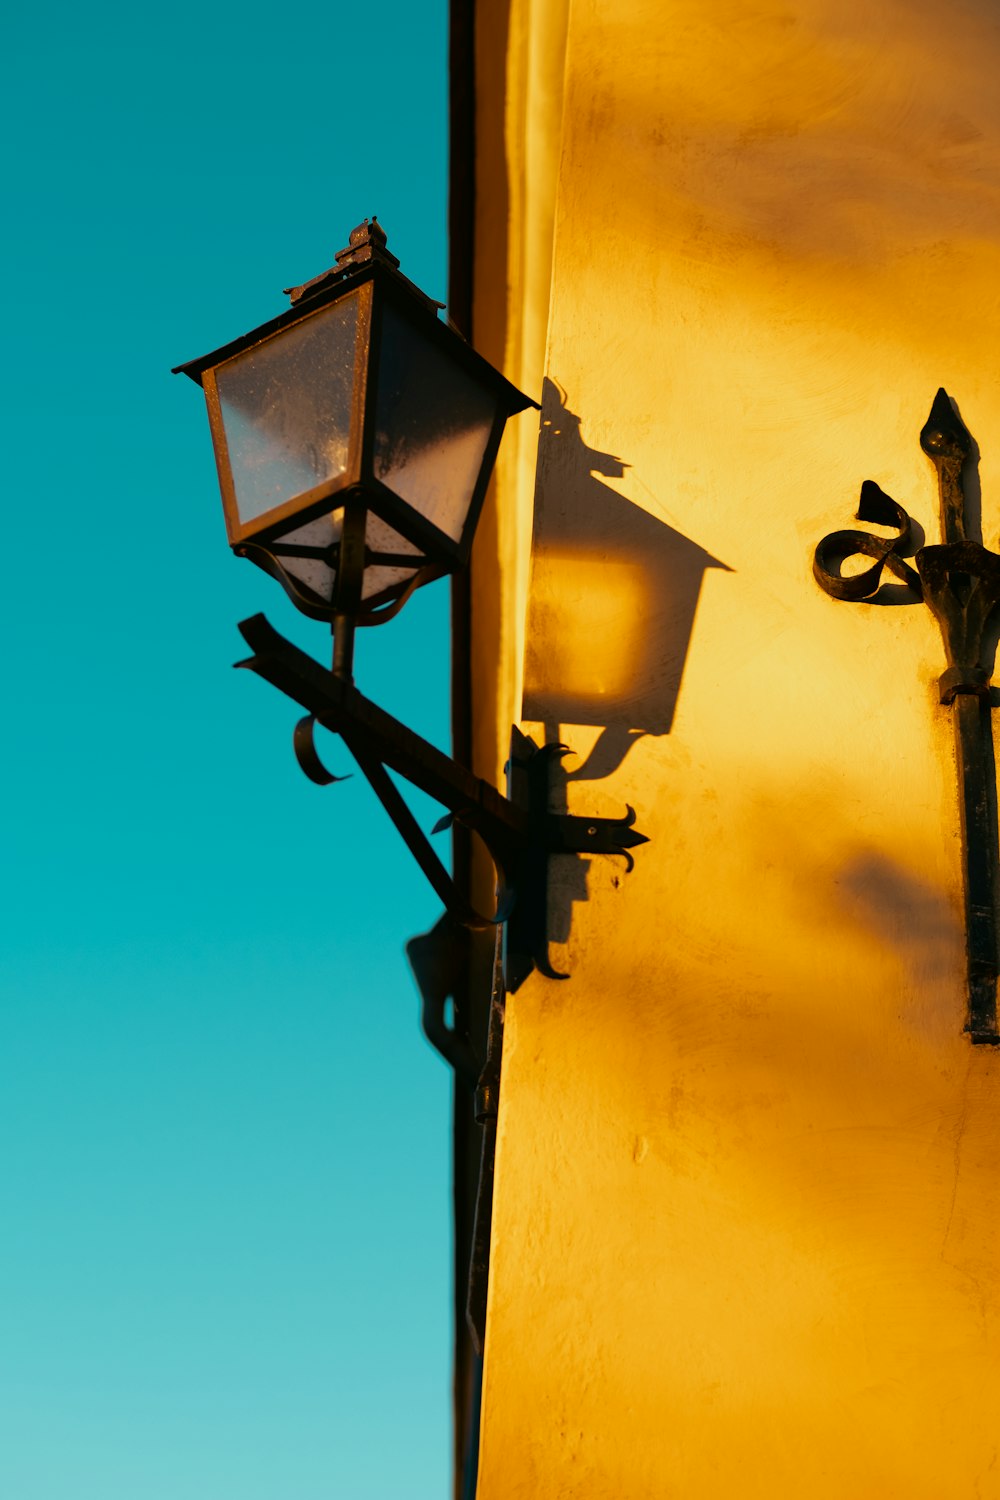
<point>367,271</point>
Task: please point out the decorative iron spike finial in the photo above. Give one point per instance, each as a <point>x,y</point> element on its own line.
<point>959,581</point>
<point>944,434</point>
<point>945,439</point>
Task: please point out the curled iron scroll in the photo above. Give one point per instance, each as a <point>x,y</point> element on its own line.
<point>876,506</point>
<point>308,756</point>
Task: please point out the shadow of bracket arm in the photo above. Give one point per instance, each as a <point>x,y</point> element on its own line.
<point>440,961</point>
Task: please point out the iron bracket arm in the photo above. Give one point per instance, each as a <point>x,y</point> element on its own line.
<point>520,832</point>
<point>338,706</point>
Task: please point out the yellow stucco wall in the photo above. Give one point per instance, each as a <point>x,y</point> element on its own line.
<point>747,1204</point>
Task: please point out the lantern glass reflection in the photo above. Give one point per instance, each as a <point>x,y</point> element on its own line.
<point>433,421</point>
<point>286,409</point>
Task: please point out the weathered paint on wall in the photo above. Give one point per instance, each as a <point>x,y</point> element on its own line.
<point>748,1195</point>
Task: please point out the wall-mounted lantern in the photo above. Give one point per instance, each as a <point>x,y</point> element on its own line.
<point>355,436</point>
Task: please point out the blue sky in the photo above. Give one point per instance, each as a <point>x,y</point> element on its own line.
<point>224,1175</point>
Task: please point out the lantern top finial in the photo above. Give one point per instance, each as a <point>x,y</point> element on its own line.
<point>366,243</point>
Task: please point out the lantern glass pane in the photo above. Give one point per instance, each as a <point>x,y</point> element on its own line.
<point>433,421</point>
<point>315,572</point>
<point>381,538</point>
<point>318,574</point>
<point>286,409</point>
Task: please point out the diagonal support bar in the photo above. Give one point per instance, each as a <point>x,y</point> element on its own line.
<point>338,706</point>
<point>419,845</point>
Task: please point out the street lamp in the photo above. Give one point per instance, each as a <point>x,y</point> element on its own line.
<point>355,435</point>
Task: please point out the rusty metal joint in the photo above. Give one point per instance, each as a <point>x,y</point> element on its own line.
<point>957,680</point>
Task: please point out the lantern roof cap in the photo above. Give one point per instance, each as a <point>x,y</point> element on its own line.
<point>365,255</point>
<point>366,246</point>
